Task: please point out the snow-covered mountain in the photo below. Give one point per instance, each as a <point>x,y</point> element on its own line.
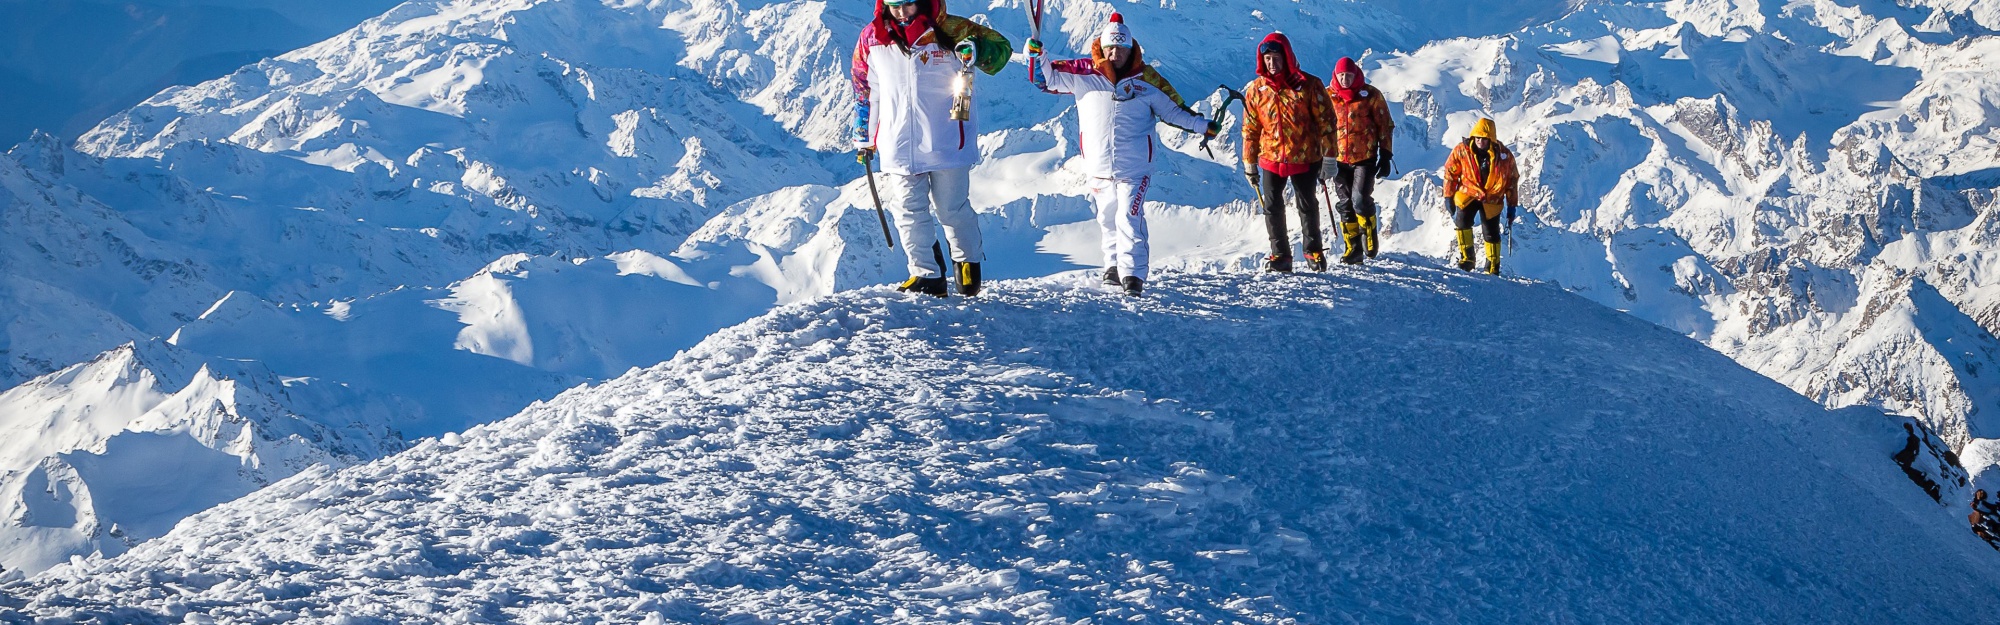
<point>68,64</point>
<point>108,453</point>
<point>462,207</point>
<point>1460,449</point>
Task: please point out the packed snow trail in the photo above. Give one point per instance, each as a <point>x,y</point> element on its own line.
<point>1401,444</point>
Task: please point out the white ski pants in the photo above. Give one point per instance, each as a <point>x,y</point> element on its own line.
<point>1121,213</point>
<point>911,199</point>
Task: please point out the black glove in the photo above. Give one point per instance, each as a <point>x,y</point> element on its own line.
<point>1510,214</point>
<point>1252,177</point>
<point>1383,164</point>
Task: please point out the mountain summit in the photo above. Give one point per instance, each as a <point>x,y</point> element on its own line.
<point>1402,445</point>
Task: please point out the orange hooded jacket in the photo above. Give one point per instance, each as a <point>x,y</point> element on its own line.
<point>1465,182</point>
<point>1362,122</point>
<point>1287,119</point>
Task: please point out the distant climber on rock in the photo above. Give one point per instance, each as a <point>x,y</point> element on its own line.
<point>1363,147</point>
<point>1119,99</point>
<point>1907,459</point>
<point>1288,129</point>
<point>912,75</point>
<point>1480,179</point>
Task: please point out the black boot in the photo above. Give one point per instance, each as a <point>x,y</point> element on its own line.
<point>968,279</point>
<point>927,286</point>
<point>1278,264</point>
<point>1134,286</point>
<point>1111,276</point>
<point>1316,261</point>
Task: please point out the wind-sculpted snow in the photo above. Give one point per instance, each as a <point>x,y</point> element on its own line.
<point>1402,445</point>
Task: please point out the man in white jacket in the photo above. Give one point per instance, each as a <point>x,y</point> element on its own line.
<point>910,114</point>
<point>1118,99</point>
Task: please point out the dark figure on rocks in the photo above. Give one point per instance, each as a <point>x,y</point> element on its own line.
<point>1907,459</point>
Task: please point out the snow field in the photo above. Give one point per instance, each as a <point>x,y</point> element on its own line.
<point>1403,444</point>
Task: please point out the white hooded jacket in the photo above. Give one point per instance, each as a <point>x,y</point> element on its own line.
<point>908,101</point>
<point>1116,120</point>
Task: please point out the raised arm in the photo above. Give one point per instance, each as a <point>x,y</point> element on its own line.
<point>993,47</point>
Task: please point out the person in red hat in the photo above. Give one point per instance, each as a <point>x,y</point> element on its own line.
<point>1362,149</point>
<point>1119,101</point>
<point>1288,128</point>
<point>912,70</point>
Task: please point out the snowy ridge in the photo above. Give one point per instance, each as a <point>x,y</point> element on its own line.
<point>1054,452</point>
<point>108,453</point>
<point>1806,187</point>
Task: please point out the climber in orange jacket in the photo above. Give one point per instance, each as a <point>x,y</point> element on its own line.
<point>1362,149</point>
<point>1480,179</point>
<point>1287,129</point>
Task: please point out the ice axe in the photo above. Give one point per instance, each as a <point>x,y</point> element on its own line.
<point>1333,219</point>
<point>868,163</point>
<point>1221,111</point>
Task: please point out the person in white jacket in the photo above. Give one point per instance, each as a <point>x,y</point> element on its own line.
<point>1118,99</point>
<point>909,69</point>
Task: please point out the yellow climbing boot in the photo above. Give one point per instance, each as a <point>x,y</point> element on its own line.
<point>1369,239</point>
<point>1465,249</point>
<point>1350,234</point>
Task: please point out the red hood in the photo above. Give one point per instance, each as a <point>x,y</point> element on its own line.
<point>1347,66</point>
<point>931,8</point>
<point>928,12</point>
<point>1293,76</point>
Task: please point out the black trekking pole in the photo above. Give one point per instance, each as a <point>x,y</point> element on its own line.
<point>1333,220</point>
<point>868,163</point>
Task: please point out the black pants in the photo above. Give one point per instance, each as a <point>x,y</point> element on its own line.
<point>1354,190</point>
<point>1490,230</point>
<point>1306,187</point>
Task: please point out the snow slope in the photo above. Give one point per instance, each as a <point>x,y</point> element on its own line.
<point>1406,444</point>
<point>467,206</point>
<point>1745,172</point>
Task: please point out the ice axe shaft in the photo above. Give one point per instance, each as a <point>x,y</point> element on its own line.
<point>1333,220</point>
<point>869,165</point>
